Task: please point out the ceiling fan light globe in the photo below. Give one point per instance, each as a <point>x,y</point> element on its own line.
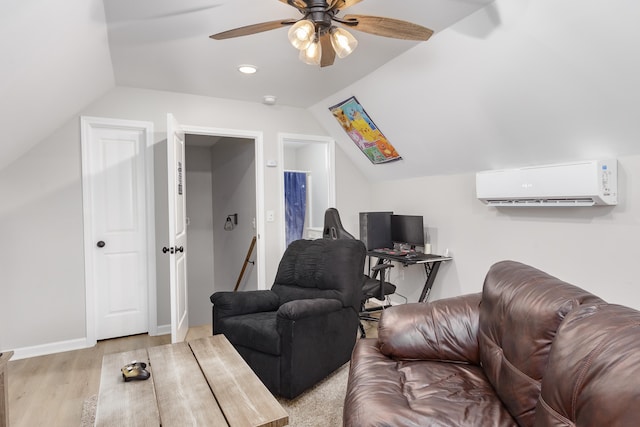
<point>343,42</point>
<point>301,33</point>
<point>312,54</point>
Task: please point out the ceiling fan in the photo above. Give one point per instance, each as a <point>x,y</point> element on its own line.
<point>319,40</point>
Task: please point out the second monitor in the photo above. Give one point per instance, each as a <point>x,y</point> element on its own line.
<point>380,230</point>
<point>407,230</point>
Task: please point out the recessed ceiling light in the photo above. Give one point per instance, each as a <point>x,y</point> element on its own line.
<point>269,99</point>
<point>247,69</point>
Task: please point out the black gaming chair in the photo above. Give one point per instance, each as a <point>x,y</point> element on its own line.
<point>372,287</point>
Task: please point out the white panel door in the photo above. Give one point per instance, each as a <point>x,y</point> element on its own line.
<point>118,228</point>
<point>177,249</point>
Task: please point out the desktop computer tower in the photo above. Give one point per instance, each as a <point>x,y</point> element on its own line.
<point>375,230</point>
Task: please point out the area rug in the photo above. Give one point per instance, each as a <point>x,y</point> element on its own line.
<point>321,406</point>
<point>89,412</point>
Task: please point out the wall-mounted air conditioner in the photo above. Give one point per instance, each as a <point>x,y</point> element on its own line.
<point>585,183</point>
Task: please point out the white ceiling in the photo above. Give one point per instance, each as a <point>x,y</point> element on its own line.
<point>165,45</point>
<point>517,82</point>
<point>59,56</point>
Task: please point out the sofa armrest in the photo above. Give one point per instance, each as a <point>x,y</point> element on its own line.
<point>227,304</point>
<point>299,309</point>
<point>445,330</point>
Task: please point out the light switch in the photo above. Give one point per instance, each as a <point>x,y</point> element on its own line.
<point>270,216</point>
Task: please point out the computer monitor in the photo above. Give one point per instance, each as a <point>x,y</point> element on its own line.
<point>407,229</point>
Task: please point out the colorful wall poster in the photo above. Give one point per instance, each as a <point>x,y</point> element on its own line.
<point>361,129</point>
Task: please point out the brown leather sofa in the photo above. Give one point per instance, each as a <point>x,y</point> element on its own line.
<point>530,350</point>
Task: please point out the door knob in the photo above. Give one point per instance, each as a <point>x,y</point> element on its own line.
<point>172,249</point>
<point>100,244</point>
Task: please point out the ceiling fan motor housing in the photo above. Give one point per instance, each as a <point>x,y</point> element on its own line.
<point>317,11</point>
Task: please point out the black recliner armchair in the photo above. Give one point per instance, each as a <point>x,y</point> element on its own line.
<point>305,326</point>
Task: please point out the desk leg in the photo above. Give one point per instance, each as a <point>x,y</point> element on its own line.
<point>431,270</point>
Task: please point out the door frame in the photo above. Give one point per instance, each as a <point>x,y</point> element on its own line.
<point>257,137</point>
<point>283,138</point>
<point>87,123</point>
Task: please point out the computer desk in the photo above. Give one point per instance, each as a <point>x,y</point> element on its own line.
<point>431,263</point>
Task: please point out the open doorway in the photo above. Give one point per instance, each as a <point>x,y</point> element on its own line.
<point>220,175</point>
<point>311,161</point>
<point>174,226</point>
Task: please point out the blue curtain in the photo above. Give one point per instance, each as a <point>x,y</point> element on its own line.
<point>295,204</point>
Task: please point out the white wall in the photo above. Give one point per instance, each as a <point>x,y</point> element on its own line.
<point>592,247</point>
<point>199,202</point>
<point>234,191</point>
<point>42,292</point>
<point>41,214</point>
<point>521,82</point>
<point>55,60</point>
<point>313,158</point>
<point>354,192</point>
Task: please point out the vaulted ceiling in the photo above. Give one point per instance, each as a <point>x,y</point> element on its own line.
<point>500,83</point>
<point>60,55</point>
<point>164,44</point>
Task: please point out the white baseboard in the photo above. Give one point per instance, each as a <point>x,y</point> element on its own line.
<point>60,346</point>
<point>50,348</point>
<point>163,330</point>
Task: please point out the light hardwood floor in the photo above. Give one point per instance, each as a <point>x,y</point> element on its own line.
<point>50,390</point>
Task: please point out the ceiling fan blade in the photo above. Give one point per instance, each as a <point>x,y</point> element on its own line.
<point>252,29</point>
<point>328,54</point>
<point>298,4</point>
<point>387,27</point>
<point>343,4</point>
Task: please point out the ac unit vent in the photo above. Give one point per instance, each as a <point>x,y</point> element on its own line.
<point>586,183</point>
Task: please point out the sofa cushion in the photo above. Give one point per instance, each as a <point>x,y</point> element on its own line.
<point>594,366</point>
<point>521,310</point>
<point>256,331</point>
<point>445,330</point>
<point>388,392</point>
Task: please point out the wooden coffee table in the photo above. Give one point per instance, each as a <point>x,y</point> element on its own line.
<point>205,382</point>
